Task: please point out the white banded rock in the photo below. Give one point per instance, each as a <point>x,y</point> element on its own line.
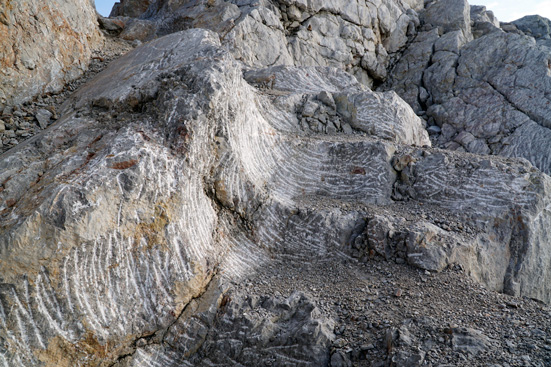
<point>164,170</point>
<point>315,95</point>
<point>384,115</point>
<point>507,203</point>
<point>177,171</point>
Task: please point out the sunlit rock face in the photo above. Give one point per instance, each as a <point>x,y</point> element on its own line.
<point>176,170</point>
<point>44,45</point>
<point>127,227</point>
<point>166,169</point>
<point>483,89</point>
<point>361,37</point>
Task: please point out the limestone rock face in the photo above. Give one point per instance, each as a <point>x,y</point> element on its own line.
<point>357,36</point>
<point>449,15</point>
<point>176,171</point>
<point>506,201</point>
<point>44,45</point>
<point>188,180</point>
<point>537,27</point>
<point>129,8</point>
<point>484,90</point>
<point>129,227</point>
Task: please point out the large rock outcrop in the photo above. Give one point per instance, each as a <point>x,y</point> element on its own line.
<point>44,45</point>
<point>201,157</point>
<point>358,36</point>
<point>165,195</point>
<point>482,89</point>
<point>175,170</point>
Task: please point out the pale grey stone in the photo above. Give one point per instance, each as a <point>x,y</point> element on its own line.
<point>450,15</point>
<point>470,341</point>
<point>441,179</point>
<point>201,155</point>
<point>397,123</point>
<point>327,98</point>
<point>51,48</point>
<point>480,14</point>
<point>335,33</point>
<point>484,21</point>
<point>407,75</point>
<point>43,117</point>
<point>493,87</point>
<point>203,112</point>
<point>535,26</point>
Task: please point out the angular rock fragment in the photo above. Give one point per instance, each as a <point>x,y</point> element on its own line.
<point>43,117</point>
<point>409,360</point>
<point>470,341</point>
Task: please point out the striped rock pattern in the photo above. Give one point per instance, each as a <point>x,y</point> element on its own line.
<point>155,180</point>
<point>176,171</point>
<point>505,201</point>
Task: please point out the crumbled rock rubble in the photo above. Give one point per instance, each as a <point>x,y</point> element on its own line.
<point>19,122</point>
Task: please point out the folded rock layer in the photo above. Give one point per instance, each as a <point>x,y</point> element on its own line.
<point>185,166</point>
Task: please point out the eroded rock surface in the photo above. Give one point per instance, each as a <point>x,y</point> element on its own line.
<point>123,197</point>
<point>44,46</point>
<point>19,123</point>
<point>481,88</point>
<point>157,178</point>
<point>360,37</point>
<point>199,204</point>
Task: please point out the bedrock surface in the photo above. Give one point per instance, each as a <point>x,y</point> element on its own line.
<point>44,46</point>
<point>176,172</point>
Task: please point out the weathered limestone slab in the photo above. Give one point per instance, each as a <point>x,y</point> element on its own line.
<point>44,46</point>
<point>357,36</point>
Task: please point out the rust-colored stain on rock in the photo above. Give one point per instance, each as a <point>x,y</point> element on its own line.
<point>124,164</point>
<point>358,171</point>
